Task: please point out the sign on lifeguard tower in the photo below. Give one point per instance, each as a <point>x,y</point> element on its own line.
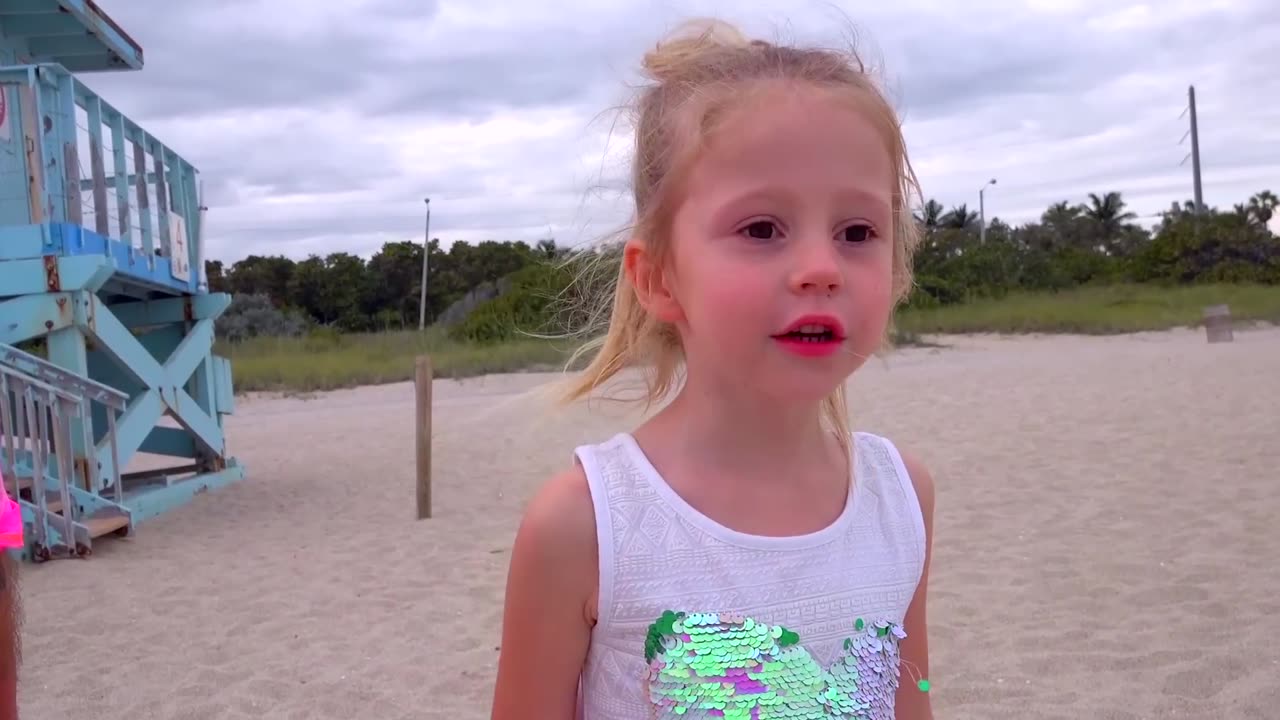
<point>179,259</point>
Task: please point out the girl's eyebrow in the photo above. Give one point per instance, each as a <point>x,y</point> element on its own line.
<point>731,202</point>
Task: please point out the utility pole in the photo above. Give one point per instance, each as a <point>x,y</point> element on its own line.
<point>1194,133</point>
<point>426,249</point>
<point>1195,150</point>
<point>982,212</point>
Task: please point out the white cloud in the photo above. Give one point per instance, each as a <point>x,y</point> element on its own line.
<point>321,126</point>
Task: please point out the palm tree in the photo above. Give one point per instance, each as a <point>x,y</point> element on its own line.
<point>960,217</point>
<point>1109,213</point>
<point>1262,207</point>
<point>1176,212</point>
<point>930,215</point>
<point>1061,215</point>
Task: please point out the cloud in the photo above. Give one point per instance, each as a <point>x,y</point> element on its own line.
<point>321,126</point>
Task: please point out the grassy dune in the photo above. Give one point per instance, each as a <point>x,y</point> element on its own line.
<point>1097,310</point>
<point>327,360</point>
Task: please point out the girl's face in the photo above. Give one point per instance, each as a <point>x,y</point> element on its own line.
<point>782,250</point>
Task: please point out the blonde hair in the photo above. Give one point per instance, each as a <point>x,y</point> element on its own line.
<point>696,75</point>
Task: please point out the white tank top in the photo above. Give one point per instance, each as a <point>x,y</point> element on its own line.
<point>699,621</point>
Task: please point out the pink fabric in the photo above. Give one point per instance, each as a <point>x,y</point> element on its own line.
<point>10,520</point>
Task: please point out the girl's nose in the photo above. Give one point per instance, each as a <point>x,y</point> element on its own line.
<point>816,269</point>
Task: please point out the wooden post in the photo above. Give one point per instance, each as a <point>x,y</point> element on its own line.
<point>422,391</point>
<point>1217,323</point>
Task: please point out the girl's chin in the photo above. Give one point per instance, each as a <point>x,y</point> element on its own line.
<point>799,393</point>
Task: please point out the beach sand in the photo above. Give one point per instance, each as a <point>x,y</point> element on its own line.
<point>1108,535</point>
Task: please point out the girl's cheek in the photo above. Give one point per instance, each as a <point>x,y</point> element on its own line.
<point>724,283</point>
<point>872,299</point>
<point>872,281</point>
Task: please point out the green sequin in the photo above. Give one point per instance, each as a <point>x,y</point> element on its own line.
<point>705,665</point>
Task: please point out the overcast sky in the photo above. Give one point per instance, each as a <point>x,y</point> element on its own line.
<point>321,126</point>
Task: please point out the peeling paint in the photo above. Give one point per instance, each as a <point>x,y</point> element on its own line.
<point>52,280</point>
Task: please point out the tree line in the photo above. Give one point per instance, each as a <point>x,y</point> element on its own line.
<point>341,290</point>
<point>1070,245</point>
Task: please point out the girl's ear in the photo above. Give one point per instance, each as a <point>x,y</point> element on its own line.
<point>651,284</point>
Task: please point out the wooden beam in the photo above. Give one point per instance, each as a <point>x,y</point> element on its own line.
<point>97,168</point>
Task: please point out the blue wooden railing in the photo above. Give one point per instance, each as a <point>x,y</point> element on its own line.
<point>42,407</point>
<point>88,166</point>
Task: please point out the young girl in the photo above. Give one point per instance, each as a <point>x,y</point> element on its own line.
<point>742,554</point>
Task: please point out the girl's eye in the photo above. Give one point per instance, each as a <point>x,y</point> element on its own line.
<point>761,230</point>
<point>858,233</point>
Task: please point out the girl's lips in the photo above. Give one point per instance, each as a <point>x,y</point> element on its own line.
<point>812,336</point>
<point>829,322</point>
<point>806,347</point>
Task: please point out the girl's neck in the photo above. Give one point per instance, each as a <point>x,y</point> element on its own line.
<point>749,438</point>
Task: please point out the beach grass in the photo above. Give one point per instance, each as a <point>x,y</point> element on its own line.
<point>1101,310</point>
<point>326,360</point>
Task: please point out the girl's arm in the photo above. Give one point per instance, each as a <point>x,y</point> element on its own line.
<point>550,604</point>
<point>911,703</point>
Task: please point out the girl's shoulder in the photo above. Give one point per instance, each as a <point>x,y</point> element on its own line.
<point>922,482</point>
<point>549,606</point>
<point>916,472</point>
<point>558,525</point>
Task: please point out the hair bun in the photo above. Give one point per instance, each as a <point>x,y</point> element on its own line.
<point>690,46</point>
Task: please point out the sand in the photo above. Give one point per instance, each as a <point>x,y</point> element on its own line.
<point>1108,531</point>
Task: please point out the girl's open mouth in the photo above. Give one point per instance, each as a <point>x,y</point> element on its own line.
<point>812,335</point>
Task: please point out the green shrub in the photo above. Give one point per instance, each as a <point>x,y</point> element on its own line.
<point>538,299</point>
<point>253,315</point>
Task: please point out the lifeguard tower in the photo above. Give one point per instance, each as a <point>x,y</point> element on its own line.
<point>106,322</point>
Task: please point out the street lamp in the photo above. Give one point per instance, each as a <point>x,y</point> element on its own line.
<point>426,248</point>
<point>982,212</point>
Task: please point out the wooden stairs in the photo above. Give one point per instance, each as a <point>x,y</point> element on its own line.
<point>45,413</point>
<point>105,520</point>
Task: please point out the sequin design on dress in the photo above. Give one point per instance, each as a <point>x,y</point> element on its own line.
<point>720,665</point>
